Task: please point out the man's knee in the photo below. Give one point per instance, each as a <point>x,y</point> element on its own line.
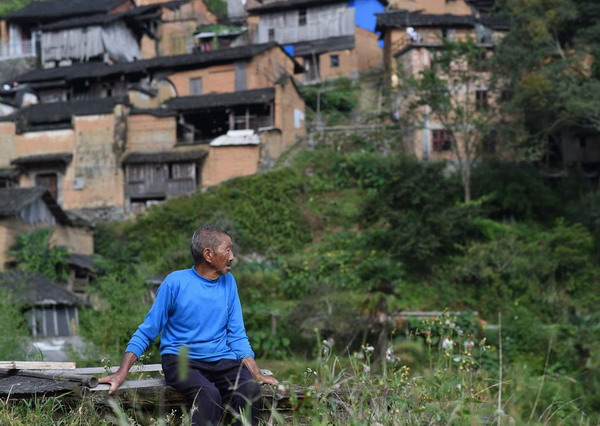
<point>210,393</point>
<point>249,391</point>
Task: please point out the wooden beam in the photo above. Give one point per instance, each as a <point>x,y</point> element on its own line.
<point>35,365</point>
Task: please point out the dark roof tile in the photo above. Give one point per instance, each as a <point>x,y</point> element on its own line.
<point>291,4</point>
<point>57,9</point>
<point>221,100</point>
<point>194,60</point>
<point>60,157</point>
<point>324,45</point>
<point>33,289</point>
<point>404,19</point>
<point>13,200</point>
<point>164,156</point>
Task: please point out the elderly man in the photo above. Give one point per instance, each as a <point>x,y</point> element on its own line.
<point>199,309</point>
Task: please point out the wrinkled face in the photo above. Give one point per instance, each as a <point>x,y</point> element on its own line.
<point>222,256</point>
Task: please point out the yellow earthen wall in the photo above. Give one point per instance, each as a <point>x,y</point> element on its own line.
<point>150,133</point>
<point>348,63</point>
<point>76,240</point>
<point>215,79</point>
<point>96,162</point>
<point>7,143</point>
<point>265,69</point>
<point>437,7</point>
<point>287,99</point>
<point>227,162</point>
<point>368,52</point>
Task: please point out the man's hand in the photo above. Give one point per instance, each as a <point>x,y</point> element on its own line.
<point>267,380</point>
<point>114,380</point>
<point>251,365</point>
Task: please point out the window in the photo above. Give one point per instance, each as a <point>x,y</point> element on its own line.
<point>442,140</point>
<point>271,34</point>
<point>335,61</point>
<point>50,181</point>
<point>196,86</point>
<point>302,17</point>
<point>481,99</point>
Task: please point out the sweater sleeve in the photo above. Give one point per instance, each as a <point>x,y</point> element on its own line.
<point>236,332</point>
<point>155,320</point>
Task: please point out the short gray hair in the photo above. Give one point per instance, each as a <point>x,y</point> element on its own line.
<point>207,236</point>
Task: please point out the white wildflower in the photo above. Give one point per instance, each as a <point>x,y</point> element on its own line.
<point>366,369</point>
<point>447,344</point>
<point>369,349</point>
<point>469,344</point>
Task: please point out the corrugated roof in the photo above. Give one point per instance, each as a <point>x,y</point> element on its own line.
<point>33,289</point>
<point>194,60</point>
<point>171,156</point>
<point>59,157</point>
<point>324,45</point>
<point>221,100</point>
<point>57,9</point>
<point>13,200</point>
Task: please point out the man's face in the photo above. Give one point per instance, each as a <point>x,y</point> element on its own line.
<point>222,256</point>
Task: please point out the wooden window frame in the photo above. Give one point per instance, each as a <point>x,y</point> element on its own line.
<point>441,140</point>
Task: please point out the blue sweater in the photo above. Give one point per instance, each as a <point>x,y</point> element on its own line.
<point>194,312</point>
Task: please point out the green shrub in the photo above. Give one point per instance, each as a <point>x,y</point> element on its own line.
<point>32,252</point>
<point>514,191</point>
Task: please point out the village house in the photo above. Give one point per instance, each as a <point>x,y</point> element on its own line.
<point>331,38</point>
<point>61,32</point>
<point>50,310</point>
<point>26,209</point>
<point>109,139</point>
<point>412,41</point>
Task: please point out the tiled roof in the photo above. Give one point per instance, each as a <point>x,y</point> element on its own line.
<point>291,4</point>
<point>33,289</point>
<point>404,19</point>
<point>13,200</point>
<point>324,45</point>
<point>83,261</point>
<point>296,4</point>
<point>56,9</point>
<point>59,114</point>
<point>98,70</point>
<point>104,18</point>
<point>221,100</point>
<point>171,156</point>
<point>59,157</point>
<point>8,173</point>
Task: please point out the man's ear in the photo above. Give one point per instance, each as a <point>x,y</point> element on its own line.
<point>207,254</point>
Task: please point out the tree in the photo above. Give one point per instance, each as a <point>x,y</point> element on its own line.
<point>454,93</point>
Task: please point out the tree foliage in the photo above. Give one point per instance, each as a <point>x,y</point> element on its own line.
<point>445,93</point>
<point>32,252</point>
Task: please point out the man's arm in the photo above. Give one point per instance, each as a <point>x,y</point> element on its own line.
<point>115,380</point>
<point>251,365</point>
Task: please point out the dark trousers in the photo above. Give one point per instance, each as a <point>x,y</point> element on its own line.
<point>212,388</point>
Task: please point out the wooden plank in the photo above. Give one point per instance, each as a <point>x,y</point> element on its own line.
<point>35,365</point>
<point>99,370</point>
